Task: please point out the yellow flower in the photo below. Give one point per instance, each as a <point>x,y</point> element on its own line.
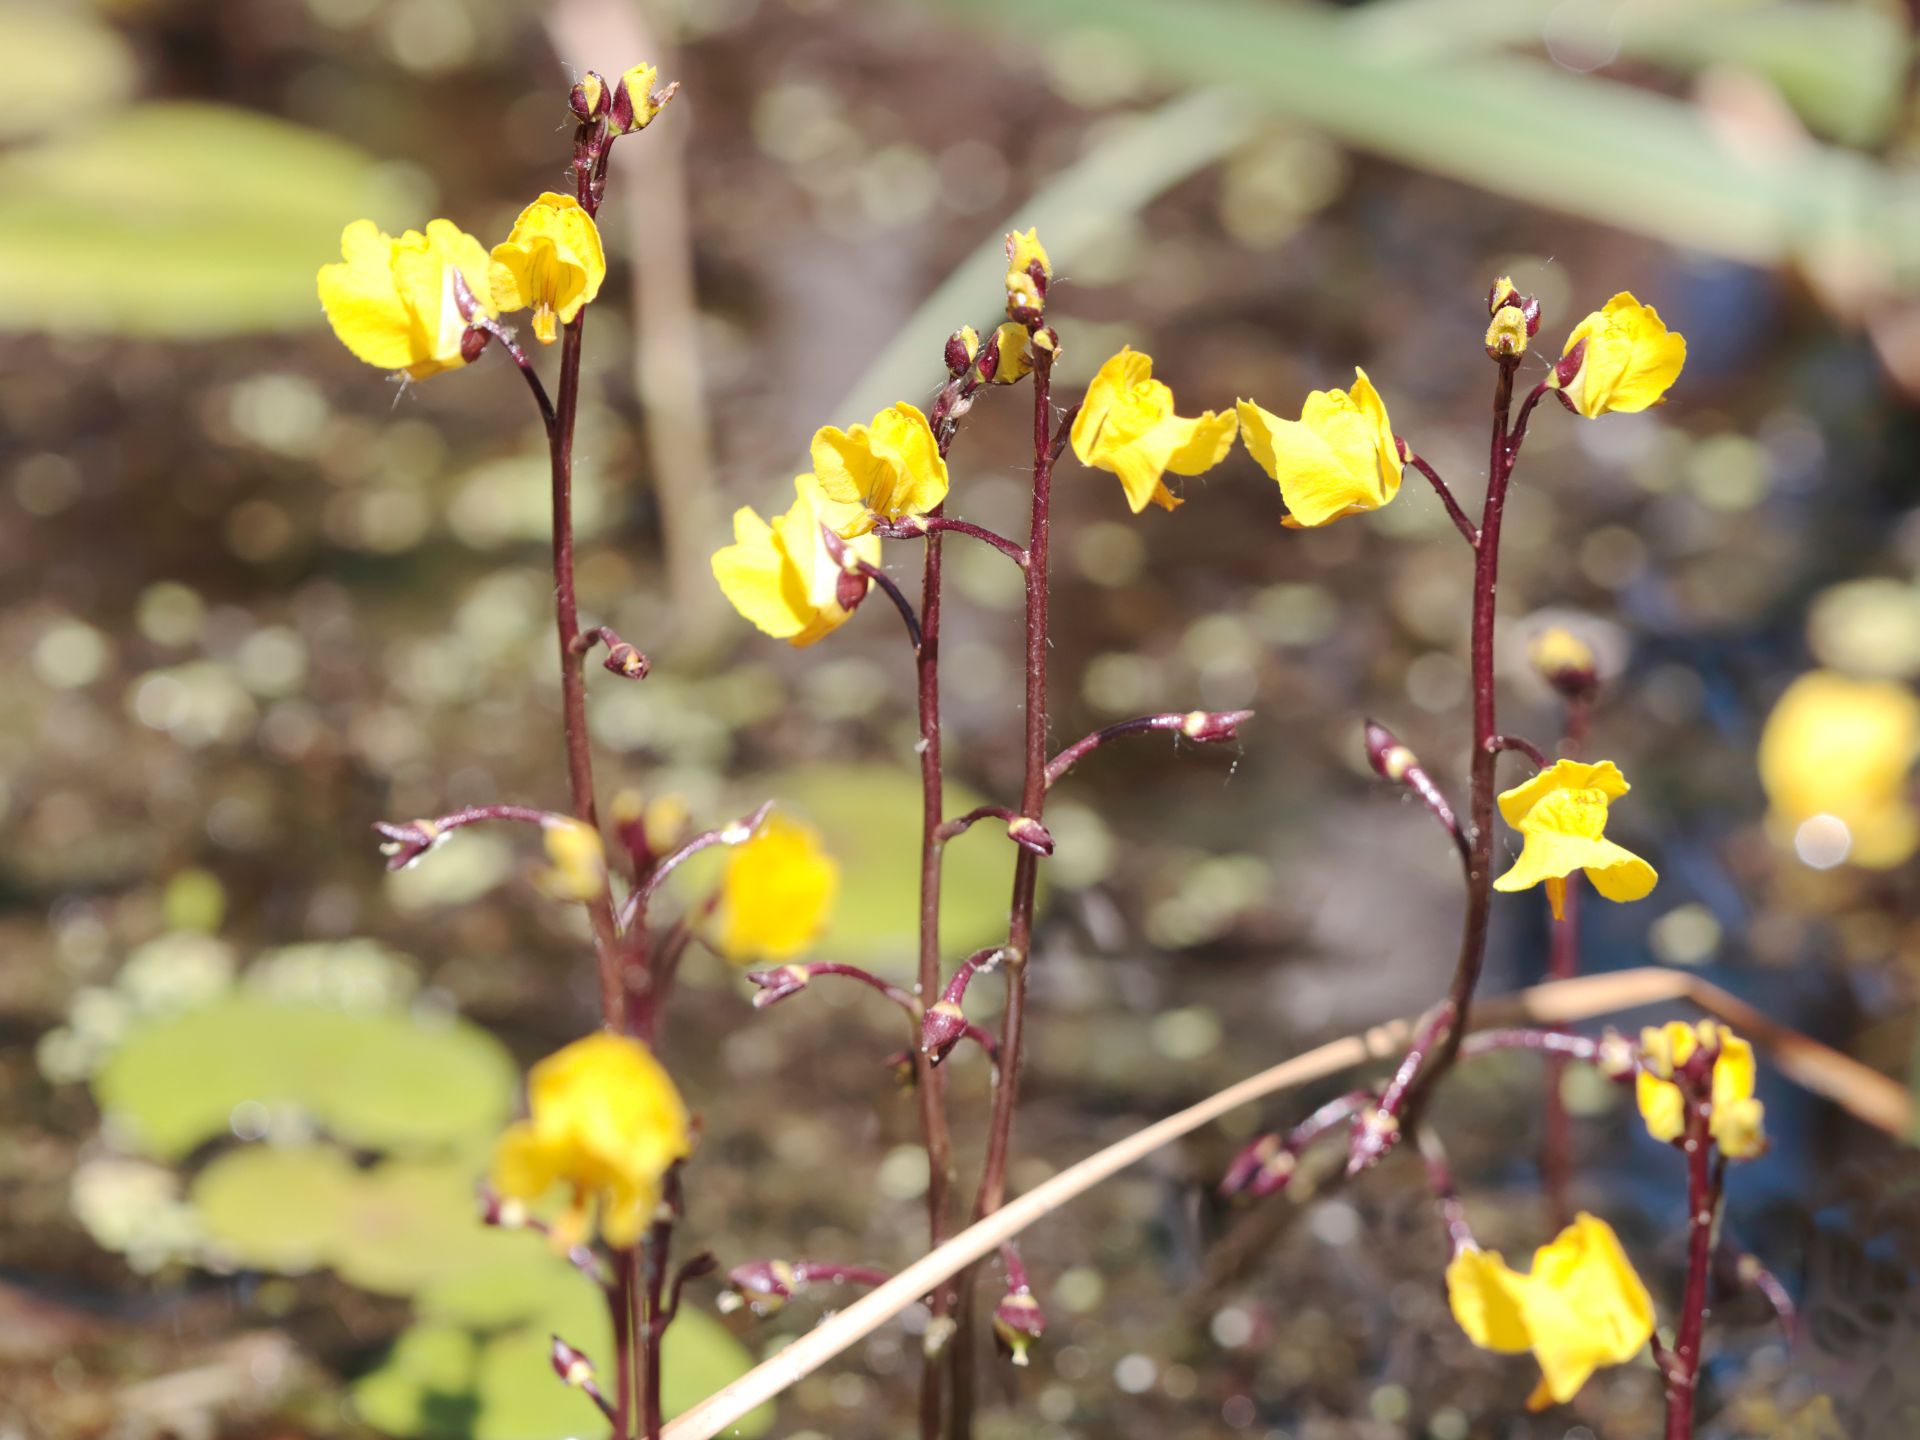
<point>1834,760</point>
<point>1562,813</point>
<point>1339,458</point>
<point>393,302</point>
<point>1628,359</point>
<point>890,468</point>
<point>777,892</point>
<point>1127,427</point>
<point>782,577</point>
<point>1025,295</point>
<point>1015,353</point>
<point>607,1122</point>
<point>1737,1121</point>
<point>552,261</point>
<point>1580,1307</point>
<point>577,868</point>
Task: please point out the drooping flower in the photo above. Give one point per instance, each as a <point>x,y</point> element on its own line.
<point>606,1122</point>
<point>1580,1307</point>
<point>777,892</point>
<point>1737,1120</point>
<point>1126,426</point>
<point>783,577</point>
<point>1562,814</point>
<point>1835,756</point>
<point>396,303</point>
<point>552,262</point>
<point>1627,359</point>
<point>890,468</point>
<point>1339,458</point>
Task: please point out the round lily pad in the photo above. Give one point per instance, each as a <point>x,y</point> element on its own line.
<point>382,1081</point>
<point>407,1223</point>
<point>274,1207</point>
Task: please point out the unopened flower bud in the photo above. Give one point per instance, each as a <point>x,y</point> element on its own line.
<point>1018,1322</point>
<point>944,1026</point>
<point>635,102</point>
<point>1566,662</point>
<point>588,99</point>
<point>1028,271</point>
<point>1214,727</point>
<point>962,346</point>
<point>625,659</point>
<point>765,1285</point>
<point>1029,834</point>
<point>1500,293</point>
<point>1390,759</point>
<point>570,1365</point>
<point>1009,345</point>
<point>777,985</point>
<point>1507,333</point>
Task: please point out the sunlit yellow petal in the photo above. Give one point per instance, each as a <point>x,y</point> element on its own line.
<point>891,467</point>
<point>1127,427</point>
<point>1630,361</point>
<point>1339,458</point>
<point>1484,1295</point>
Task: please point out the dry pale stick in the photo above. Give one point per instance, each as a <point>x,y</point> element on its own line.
<point>1868,1094</point>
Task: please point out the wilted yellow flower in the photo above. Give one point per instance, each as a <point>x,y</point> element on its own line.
<point>552,261</point>
<point>392,302</point>
<point>607,1122</point>
<point>1737,1123</point>
<point>1834,759</point>
<point>1023,293</point>
<point>782,577</point>
<point>1629,361</point>
<point>1339,458</point>
<point>1580,1307</point>
<point>1562,813</point>
<point>577,868</point>
<point>1127,426</point>
<point>890,468</point>
<point>777,892</point>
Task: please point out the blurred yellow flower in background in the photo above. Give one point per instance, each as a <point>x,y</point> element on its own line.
<point>1835,757</point>
<point>551,262</point>
<point>777,892</point>
<point>577,861</point>
<point>782,577</point>
<point>890,468</point>
<point>392,302</point>
<point>1628,362</point>
<point>605,1121</point>
<point>1738,1120</point>
<point>1580,1307</point>
<point>1127,427</point>
<point>1339,458</point>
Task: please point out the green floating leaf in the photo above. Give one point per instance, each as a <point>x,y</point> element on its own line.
<point>869,820</point>
<point>272,1207</point>
<point>179,220</point>
<point>409,1223</point>
<point>518,1297</point>
<point>381,1081</point>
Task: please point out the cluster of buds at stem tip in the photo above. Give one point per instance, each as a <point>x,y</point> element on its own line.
<point>1028,273</point>
<point>1516,320</point>
<point>627,106</point>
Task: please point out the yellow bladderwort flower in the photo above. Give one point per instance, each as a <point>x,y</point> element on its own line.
<point>1562,813</point>
<point>1339,458</point>
<point>776,894</point>
<point>1835,756</point>
<point>890,468</point>
<point>606,1122</point>
<point>577,862</point>
<point>1579,1308</point>
<point>394,303</point>
<point>551,262</point>
<point>783,577</point>
<point>1737,1122</point>
<point>1627,359</point>
<point>1126,426</point>
<point>1026,296</point>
